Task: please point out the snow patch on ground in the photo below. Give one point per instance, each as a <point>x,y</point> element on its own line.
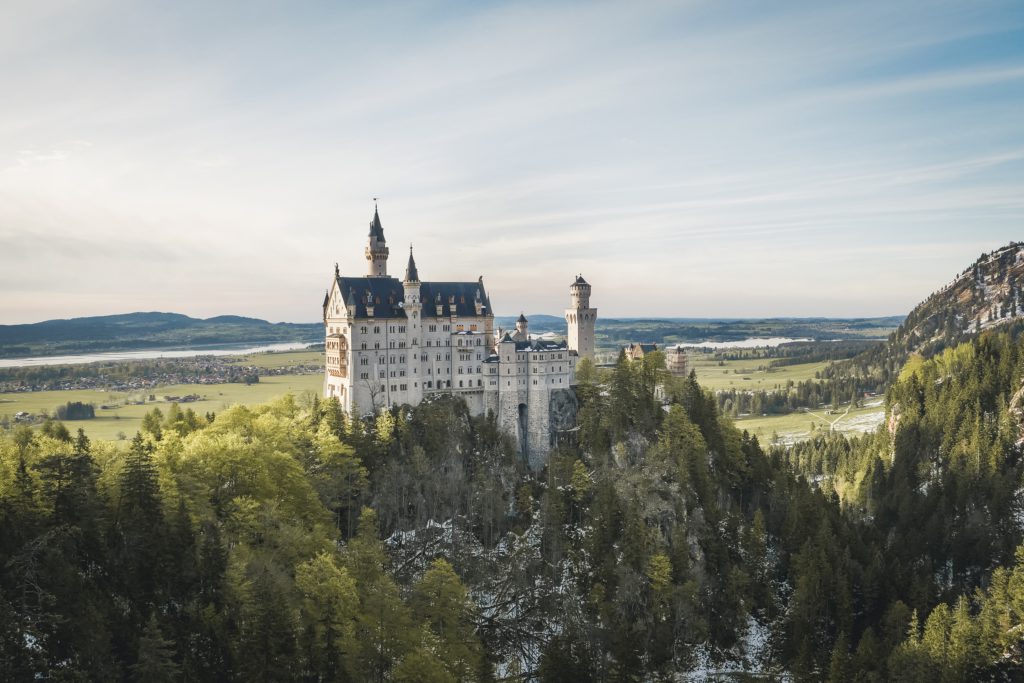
<point>750,657</point>
<point>1018,513</point>
<point>868,422</point>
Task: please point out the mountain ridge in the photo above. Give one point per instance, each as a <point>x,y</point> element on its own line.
<point>149,329</point>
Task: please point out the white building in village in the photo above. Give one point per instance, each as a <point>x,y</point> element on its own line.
<point>392,342</point>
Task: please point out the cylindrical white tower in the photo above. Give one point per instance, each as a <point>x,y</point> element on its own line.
<point>581,319</point>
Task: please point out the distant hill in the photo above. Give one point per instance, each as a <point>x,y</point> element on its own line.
<point>145,330</point>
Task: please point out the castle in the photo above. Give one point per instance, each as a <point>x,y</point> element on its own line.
<point>391,342</point>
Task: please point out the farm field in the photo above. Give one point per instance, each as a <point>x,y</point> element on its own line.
<point>801,425</point>
<point>749,373</point>
<point>125,418</point>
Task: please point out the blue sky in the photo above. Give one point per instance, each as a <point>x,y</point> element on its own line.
<point>689,158</point>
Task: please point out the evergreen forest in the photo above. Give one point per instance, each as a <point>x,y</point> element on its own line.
<point>291,542</point>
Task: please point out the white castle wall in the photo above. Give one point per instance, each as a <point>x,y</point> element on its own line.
<point>395,361</point>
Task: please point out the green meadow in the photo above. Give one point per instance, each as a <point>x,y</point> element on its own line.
<point>128,408</point>
<point>802,425</point>
<point>748,374</point>
<point>755,374</point>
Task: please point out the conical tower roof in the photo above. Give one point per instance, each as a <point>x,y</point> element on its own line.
<point>376,229</point>
<point>411,274</point>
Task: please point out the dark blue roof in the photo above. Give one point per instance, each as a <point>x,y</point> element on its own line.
<point>463,295</point>
<point>387,293</point>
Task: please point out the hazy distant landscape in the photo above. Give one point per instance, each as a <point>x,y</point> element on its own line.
<point>145,330</point>
<point>134,331</point>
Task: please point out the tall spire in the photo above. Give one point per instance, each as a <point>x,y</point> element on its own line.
<point>376,247</point>
<point>376,230</point>
<point>411,274</point>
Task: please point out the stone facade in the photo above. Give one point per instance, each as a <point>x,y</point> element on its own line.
<point>390,342</point>
<point>581,319</point>
<point>638,351</point>
<point>676,361</point>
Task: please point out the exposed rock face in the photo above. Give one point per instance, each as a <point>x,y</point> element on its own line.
<point>1016,410</point>
<point>563,408</point>
<point>893,419</point>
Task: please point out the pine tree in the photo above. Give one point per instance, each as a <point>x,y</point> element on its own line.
<point>330,608</point>
<point>839,666</point>
<point>138,532</point>
<point>155,662</point>
<point>383,626</point>
<point>442,604</point>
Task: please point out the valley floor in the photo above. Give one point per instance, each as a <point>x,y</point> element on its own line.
<point>798,426</point>
<point>127,409</point>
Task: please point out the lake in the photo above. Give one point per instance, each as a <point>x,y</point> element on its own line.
<point>750,343</point>
<point>148,354</point>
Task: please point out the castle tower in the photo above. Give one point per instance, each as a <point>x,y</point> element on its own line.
<point>581,319</point>
<point>522,328</point>
<point>676,361</point>
<point>413,307</point>
<point>376,248</point>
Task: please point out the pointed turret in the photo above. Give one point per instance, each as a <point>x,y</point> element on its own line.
<point>522,328</point>
<point>376,248</point>
<point>411,274</point>
<point>411,285</point>
<point>376,229</point>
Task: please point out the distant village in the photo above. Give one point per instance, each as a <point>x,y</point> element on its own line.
<point>131,376</point>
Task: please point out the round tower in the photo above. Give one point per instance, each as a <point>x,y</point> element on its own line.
<point>579,293</point>
<point>581,319</point>
<point>376,248</point>
<point>522,327</point>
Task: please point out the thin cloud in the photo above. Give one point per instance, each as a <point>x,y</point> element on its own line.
<point>231,156</point>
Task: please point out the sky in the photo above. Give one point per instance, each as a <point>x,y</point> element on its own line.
<point>711,158</point>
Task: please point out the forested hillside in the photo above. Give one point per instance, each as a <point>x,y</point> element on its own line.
<point>987,294</point>
<point>145,330</point>
<point>289,542</point>
<point>943,482</point>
